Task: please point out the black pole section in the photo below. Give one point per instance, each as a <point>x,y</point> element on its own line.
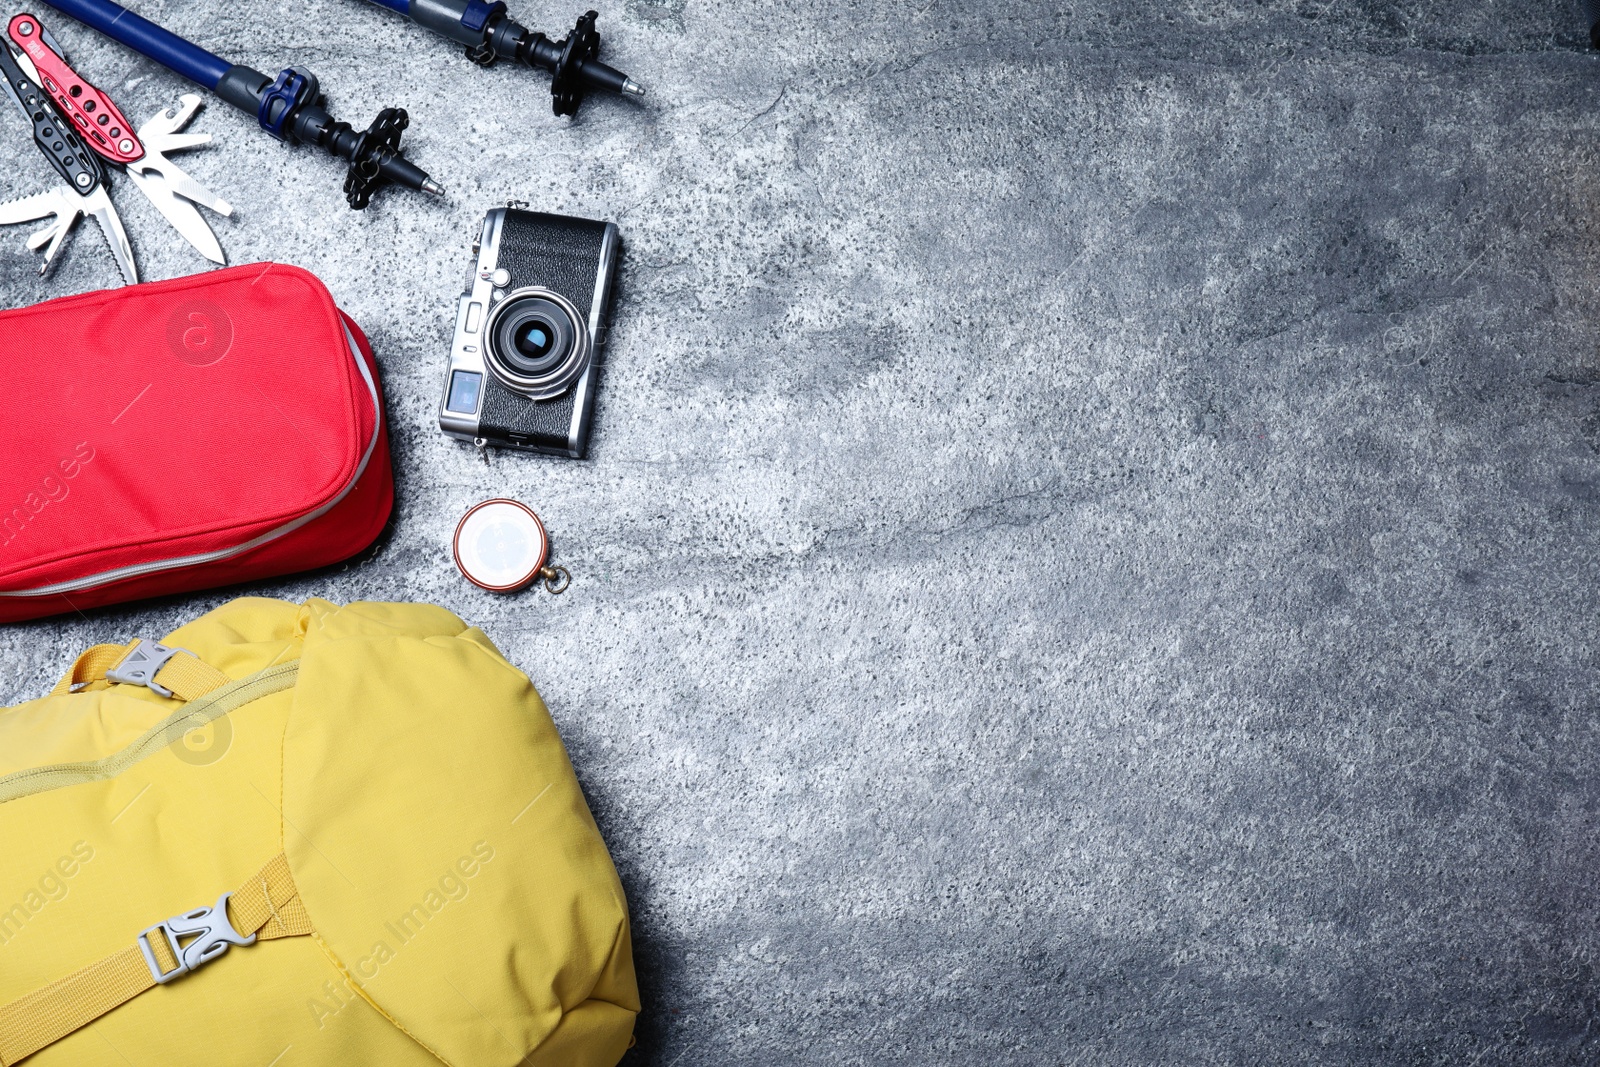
<point>489,34</point>
<point>1591,11</point>
<point>288,107</point>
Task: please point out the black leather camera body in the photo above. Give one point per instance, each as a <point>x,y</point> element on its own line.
<point>525,359</point>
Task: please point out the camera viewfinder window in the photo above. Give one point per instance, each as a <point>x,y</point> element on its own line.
<point>464,386</point>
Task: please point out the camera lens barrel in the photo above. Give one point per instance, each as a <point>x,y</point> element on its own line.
<point>536,343</point>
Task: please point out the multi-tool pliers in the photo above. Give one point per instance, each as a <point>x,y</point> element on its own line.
<point>80,131</point>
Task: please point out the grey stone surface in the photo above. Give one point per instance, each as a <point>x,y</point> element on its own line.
<point>1090,547</point>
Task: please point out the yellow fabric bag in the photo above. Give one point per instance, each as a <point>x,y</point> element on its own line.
<point>348,836</point>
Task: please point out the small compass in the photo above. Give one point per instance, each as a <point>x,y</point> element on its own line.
<point>500,545</point>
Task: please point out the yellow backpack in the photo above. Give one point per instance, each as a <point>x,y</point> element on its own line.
<point>319,835</point>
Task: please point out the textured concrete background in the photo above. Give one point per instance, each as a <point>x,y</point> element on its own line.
<point>1090,546</point>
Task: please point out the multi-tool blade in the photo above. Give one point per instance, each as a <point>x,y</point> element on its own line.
<point>165,184</point>
<point>64,208</point>
<point>80,168</point>
<point>108,133</point>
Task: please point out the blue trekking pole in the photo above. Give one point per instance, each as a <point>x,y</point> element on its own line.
<point>288,106</point>
<point>490,34</point>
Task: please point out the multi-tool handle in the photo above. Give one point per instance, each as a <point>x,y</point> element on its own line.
<point>80,168</point>
<point>99,121</point>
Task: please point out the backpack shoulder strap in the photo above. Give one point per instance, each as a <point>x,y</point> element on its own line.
<point>266,907</point>
<point>171,672</point>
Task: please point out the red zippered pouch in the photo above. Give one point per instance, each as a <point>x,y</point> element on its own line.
<point>184,435</point>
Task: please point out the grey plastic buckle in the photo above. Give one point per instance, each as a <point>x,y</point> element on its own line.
<point>141,665</point>
<point>212,932</point>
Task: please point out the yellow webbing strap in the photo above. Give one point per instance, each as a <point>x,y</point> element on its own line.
<point>91,667</point>
<point>188,677</point>
<point>268,905</point>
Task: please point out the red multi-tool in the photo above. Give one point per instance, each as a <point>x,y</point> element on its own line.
<point>104,130</point>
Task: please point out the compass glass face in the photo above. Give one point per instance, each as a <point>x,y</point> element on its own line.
<point>500,545</point>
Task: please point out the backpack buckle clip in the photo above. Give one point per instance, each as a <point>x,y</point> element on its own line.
<point>141,665</point>
<point>212,933</point>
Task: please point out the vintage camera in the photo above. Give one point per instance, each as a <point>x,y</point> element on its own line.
<point>525,360</point>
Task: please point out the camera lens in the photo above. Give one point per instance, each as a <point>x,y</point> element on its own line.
<point>535,339</point>
<point>536,345</point>
<point>533,335</point>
